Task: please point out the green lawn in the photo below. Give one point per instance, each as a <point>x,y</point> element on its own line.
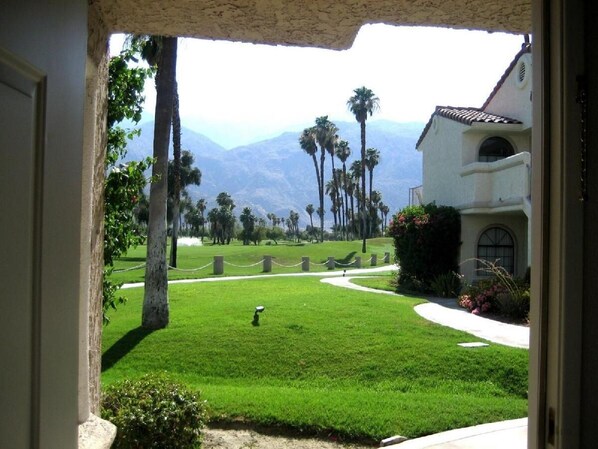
<point>237,254</point>
<point>379,281</point>
<point>324,359</point>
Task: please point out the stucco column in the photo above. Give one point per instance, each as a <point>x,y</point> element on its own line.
<point>92,234</point>
<point>305,263</point>
<point>267,264</point>
<point>330,263</point>
<point>218,264</point>
<point>93,431</point>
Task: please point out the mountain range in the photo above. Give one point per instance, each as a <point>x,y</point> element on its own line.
<point>276,175</point>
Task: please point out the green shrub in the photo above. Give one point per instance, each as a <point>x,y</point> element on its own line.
<point>447,285</point>
<point>153,412</point>
<point>427,242</point>
<point>514,306</point>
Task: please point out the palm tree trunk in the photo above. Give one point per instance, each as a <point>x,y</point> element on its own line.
<point>371,211</point>
<point>363,231</point>
<point>322,158</point>
<point>320,188</point>
<point>176,149</point>
<point>155,314</point>
<point>346,204</point>
<point>335,194</point>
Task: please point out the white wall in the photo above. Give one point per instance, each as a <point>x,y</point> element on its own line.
<point>441,151</point>
<point>514,99</point>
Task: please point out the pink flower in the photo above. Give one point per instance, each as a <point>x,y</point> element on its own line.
<point>476,311</point>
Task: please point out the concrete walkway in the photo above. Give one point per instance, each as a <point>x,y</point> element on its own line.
<point>331,273</point>
<point>499,435</point>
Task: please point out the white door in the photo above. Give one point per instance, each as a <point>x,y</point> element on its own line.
<point>42,87</point>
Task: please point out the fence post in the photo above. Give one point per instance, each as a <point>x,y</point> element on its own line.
<point>267,264</point>
<point>330,263</point>
<point>357,261</point>
<point>386,257</point>
<point>218,264</point>
<point>305,263</point>
<point>374,260</point>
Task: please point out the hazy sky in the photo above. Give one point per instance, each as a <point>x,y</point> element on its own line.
<point>237,93</point>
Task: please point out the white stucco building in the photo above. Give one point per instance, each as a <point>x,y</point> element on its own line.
<point>478,161</point>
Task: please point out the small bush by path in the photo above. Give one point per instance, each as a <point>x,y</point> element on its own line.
<point>323,360</point>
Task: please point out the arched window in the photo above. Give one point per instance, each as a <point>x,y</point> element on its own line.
<point>495,148</point>
<point>496,246</point>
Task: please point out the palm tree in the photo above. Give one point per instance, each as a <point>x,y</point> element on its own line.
<point>307,141</point>
<point>202,204</point>
<point>161,51</point>
<point>310,211</point>
<point>384,209</point>
<point>176,196</point>
<point>178,179</point>
<point>331,191</point>
<point>350,185</point>
<point>343,152</point>
<point>325,137</point>
<point>355,170</point>
<point>375,198</point>
<point>372,158</point>
<point>362,104</point>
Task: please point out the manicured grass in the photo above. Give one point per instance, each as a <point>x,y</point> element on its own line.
<point>284,254</point>
<point>324,359</point>
<point>379,281</point>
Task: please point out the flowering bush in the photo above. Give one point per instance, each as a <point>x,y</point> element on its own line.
<point>482,298</point>
<point>501,294</point>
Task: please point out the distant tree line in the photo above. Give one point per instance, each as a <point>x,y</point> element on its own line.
<point>356,210</point>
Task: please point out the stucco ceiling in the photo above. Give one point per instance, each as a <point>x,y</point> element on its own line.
<point>321,23</point>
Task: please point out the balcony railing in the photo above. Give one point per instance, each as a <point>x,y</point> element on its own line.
<point>416,196</point>
<point>501,184</point>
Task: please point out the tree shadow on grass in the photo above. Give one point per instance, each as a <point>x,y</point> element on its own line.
<point>348,258</point>
<point>123,346</point>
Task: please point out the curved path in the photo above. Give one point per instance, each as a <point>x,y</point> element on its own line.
<point>437,310</point>
<point>335,273</point>
<point>447,313</point>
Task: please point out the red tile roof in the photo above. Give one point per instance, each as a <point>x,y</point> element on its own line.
<point>466,116</point>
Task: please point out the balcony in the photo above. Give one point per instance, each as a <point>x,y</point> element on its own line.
<point>499,186</point>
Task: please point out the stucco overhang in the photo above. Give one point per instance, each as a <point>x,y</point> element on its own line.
<point>495,127</point>
<point>319,23</point>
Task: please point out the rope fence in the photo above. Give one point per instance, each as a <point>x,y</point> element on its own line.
<point>189,270</point>
<point>218,264</point>
<point>244,266</point>
<point>286,266</point>
<point>124,270</point>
